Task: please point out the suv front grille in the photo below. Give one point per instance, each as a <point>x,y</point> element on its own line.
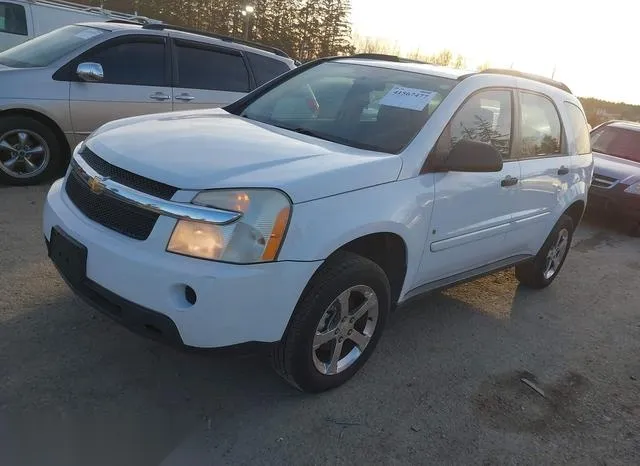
<point>601,181</point>
<point>119,216</point>
<point>127,178</point>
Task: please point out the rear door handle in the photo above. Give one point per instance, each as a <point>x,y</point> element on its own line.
<point>159,96</point>
<point>185,97</point>
<point>563,170</point>
<point>509,181</point>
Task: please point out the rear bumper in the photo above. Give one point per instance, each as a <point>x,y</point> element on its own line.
<point>615,201</point>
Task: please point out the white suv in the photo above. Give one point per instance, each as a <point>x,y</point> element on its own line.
<point>302,214</point>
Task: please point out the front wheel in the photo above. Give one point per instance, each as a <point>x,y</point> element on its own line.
<point>336,325</point>
<point>29,151</point>
<point>545,267</point>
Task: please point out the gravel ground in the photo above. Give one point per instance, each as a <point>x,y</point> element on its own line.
<point>443,387</point>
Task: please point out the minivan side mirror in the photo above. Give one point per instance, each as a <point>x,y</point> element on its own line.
<point>473,156</point>
<point>90,72</point>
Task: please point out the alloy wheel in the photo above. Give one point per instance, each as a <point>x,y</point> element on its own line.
<point>23,153</point>
<point>345,329</point>
<point>556,254</point>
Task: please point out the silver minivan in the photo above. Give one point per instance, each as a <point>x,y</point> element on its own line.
<point>59,87</point>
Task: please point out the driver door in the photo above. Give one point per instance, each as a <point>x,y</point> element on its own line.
<point>135,82</point>
<point>472,212</point>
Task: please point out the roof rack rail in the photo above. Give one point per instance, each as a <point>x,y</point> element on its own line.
<point>521,74</point>
<point>267,48</point>
<point>124,21</point>
<point>382,56</point>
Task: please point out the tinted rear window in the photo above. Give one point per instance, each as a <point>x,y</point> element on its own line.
<point>619,142</point>
<point>210,69</point>
<point>265,68</point>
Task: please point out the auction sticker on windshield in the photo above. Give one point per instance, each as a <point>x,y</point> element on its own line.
<point>407,97</point>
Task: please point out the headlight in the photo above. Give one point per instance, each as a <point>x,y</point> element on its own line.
<point>254,237</point>
<point>633,189</point>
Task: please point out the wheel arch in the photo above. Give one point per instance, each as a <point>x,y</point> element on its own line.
<point>576,211</point>
<point>45,120</point>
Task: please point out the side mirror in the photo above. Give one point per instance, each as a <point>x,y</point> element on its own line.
<point>90,72</point>
<point>473,156</point>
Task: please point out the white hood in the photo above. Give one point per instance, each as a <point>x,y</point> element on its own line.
<point>214,149</point>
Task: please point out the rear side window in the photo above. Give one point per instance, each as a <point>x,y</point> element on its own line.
<point>138,63</point>
<point>484,117</point>
<point>540,128</point>
<point>619,142</point>
<point>13,19</point>
<point>210,69</point>
<point>265,68</point>
<point>580,128</point>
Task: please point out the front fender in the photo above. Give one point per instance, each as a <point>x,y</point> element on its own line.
<point>320,227</point>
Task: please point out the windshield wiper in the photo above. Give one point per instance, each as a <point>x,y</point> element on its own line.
<point>315,134</point>
<point>331,138</point>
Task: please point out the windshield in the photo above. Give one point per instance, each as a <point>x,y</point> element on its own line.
<point>360,106</point>
<point>619,142</point>
<point>47,48</point>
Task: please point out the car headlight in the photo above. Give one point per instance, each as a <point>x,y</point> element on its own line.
<point>633,189</point>
<point>255,237</point>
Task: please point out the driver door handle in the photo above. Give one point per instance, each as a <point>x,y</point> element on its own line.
<point>508,181</point>
<point>159,96</point>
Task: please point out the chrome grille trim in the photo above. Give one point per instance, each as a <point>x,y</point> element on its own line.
<point>177,210</point>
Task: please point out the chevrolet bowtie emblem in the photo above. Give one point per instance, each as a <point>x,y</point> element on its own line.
<point>96,185</point>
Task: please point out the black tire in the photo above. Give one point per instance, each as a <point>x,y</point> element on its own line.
<point>47,139</point>
<point>293,357</point>
<point>532,274</point>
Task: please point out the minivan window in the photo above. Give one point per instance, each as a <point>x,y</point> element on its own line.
<point>579,128</point>
<point>540,128</point>
<point>47,48</point>
<point>136,62</point>
<point>265,68</point>
<point>205,68</point>
<point>618,142</point>
<point>13,19</point>
<point>361,106</point>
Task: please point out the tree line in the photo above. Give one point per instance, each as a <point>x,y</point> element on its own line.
<point>309,29</point>
<point>304,29</point>
<point>598,111</point>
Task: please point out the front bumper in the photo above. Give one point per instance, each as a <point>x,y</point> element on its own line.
<point>142,286</point>
<point>616,201</point>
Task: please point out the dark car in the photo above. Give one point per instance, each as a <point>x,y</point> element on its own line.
<point>616,179</point>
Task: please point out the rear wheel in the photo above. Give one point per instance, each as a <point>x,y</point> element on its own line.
<point>29,151</point>
<point>541,272</point>
<point>336,325</point>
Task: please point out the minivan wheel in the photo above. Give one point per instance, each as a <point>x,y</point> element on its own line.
<point>29,151</point>
<point>540,272</point>
<point>336,324</point>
